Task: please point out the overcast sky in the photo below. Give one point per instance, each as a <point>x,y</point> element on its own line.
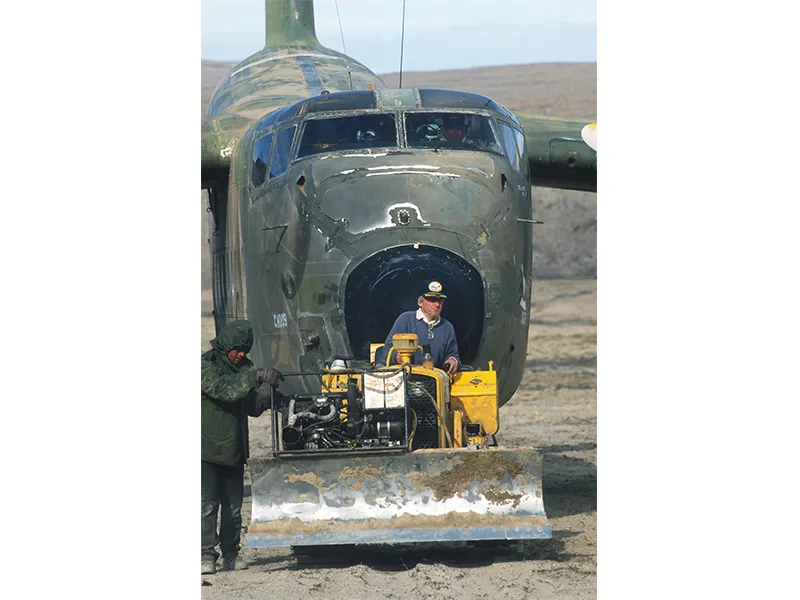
<point>439,34</point>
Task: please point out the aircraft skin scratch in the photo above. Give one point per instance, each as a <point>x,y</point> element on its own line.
<point>279,57</point>
<point>428,173</point>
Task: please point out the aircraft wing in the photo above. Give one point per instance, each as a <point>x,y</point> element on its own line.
<point>558,155</point>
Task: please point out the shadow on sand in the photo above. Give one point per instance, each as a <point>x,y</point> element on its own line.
<point>401,557</point>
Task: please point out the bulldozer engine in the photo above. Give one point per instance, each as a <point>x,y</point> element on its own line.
<point>393,454</point>
<point>358,417</point>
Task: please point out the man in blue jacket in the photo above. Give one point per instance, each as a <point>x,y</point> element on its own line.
<point>431,329</point>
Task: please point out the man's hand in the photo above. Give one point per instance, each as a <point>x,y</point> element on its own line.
<point>451,365</point>
<point>270,376</point>
<point>397,358</point>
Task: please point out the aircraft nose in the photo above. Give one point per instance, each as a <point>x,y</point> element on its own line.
<point>409,195</point>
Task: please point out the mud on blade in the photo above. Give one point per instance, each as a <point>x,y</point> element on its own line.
<point>424,496</point>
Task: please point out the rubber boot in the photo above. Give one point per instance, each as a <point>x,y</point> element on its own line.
<point>208,566</point>
<point>233,562</point>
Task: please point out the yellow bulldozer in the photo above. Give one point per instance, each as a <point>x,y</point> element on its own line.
<point>400,453</point>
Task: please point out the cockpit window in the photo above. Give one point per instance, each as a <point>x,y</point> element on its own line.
<point>258,173</point>
<point>348,133</point>
<point>280,157</point>
<point>520,141</point>
<point>451,130</point>
<point>520,147</point>
<point>513,153</point>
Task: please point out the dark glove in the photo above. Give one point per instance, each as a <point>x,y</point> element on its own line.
<point>269,376</point>
<point>267,401</point>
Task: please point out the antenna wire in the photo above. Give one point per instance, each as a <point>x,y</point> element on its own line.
<point>402,39</point>
<point>344,48</point>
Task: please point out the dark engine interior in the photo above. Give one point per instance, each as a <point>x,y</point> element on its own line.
<point>389,283</point>
<point>347,421</point>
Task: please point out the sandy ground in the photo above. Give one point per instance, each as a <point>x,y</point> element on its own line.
<point>554,409</point>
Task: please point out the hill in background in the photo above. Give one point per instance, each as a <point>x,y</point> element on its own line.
<point>551,89</point>
<point>565,247</point>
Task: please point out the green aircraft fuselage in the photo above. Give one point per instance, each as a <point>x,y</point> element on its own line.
<point>334,201</point>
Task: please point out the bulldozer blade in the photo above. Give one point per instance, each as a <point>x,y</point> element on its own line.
<point>423,496</point>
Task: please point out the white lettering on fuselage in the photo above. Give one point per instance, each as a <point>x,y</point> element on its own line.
<point>280,320</point>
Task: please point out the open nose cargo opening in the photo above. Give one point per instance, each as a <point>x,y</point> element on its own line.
<point>389,283</point>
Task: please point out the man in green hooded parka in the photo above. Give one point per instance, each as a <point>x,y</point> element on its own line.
<point>229,394</point>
